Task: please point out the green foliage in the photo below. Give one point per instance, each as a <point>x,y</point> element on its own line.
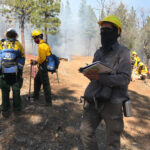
<point>18,9</point>
<point>146,30</point>
<point>66,17</point>
<point>135,31</point>
<point>88,21</point>
<point>82,9</point>
<point>45,16</point>
<point>89,25</point>
<point>129,25</point>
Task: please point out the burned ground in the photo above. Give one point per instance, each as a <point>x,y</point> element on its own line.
<point>57,128</point>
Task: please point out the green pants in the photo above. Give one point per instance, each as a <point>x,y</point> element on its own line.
<point>1,80</point>
<point>11,81</point>
<point>42,78</point>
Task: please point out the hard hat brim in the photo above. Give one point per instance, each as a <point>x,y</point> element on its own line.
<point>101,22</point>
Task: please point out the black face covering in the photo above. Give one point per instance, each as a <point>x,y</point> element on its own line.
<point>108,38</point>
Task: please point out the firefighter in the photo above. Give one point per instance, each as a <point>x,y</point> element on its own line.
<point>44,51</point>
<point>106,93</point>
<point>12,59</point>
<point>142,71</point>
<point>135,60</point>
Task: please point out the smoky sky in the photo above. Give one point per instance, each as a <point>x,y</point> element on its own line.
<point>68,41</point>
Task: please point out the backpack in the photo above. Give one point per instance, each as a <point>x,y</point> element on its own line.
<point>10,60</point>
<point>53,63</point>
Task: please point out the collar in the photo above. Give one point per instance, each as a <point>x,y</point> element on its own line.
<point>113,47</point>
<point>42,41</point>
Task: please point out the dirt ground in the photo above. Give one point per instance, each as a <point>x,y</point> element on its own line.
<point>57,128</point>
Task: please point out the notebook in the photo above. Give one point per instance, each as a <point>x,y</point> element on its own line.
<point>96,67</point>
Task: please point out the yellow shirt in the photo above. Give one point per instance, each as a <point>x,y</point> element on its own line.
<point>137,61</point>
<point>44,50</point>
<point>16,46</point>
<point>135,64</point>
<point>142,70</point>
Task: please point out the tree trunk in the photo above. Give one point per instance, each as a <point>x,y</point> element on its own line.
<point>22,35</point>
<point>45,28</point>
<point>46,36</point>
<point>89,46</point>
<point>147,62</point>
<point>22,31</point>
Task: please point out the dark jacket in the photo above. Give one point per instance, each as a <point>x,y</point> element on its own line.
<point>118,59</point>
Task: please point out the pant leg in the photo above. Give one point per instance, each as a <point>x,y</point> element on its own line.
<point>143,76</point>
<point>90,122</point>
<point>1,76</point>
<point>37,84</point>
<point>46,84</point>
<point>133,75</point>
<point>113,117</point>
<point>5,95</point>
<point>16,94</point>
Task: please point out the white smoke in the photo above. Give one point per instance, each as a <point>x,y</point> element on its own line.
<point>68,41</point>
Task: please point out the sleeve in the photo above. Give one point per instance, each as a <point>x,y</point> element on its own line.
<point>0,45</point>
<point>49,52</point>
<point>123,74</point>
<point>21,59</point>
<point>95,55</point>
<point>21,49</point>
<point>41,54</point>
<point>144,71</point>
<point>43,51</point>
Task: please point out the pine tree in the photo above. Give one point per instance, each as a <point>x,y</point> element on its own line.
<point>82,9</point>
<point>66,25</point>
<point>122,13</point>
<point>89,26</point>
<point>146,42</point>
<point>19,10</point>
<point>132,29</point>
<point>45,16</point>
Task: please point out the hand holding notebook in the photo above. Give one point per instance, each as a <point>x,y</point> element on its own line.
<point>96,67</point>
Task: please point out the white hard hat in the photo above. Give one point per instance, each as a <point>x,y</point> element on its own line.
<point>11,29</point>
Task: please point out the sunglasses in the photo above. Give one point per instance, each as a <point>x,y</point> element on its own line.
<point>106,29</point>
<point>35,37</point>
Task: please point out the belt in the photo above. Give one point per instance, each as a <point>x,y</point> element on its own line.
<point>94,101</point>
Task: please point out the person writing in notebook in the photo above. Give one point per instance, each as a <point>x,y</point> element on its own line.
<point>106,93</point>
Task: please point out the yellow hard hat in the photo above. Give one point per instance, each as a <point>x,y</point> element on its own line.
<point>112,19</point>
<point>134,53</point>
<point>36,33</point>
<point>141,64</point>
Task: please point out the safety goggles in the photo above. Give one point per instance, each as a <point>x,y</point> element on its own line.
<point>106,29</point>
<point>35,37</point>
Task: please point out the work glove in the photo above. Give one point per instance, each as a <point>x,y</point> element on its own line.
<point>34,62</point>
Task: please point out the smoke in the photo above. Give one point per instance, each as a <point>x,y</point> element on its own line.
<point>69,41</point>
<point>30,46</point>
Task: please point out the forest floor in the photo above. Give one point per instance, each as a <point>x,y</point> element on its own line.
<point>57,127</point>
